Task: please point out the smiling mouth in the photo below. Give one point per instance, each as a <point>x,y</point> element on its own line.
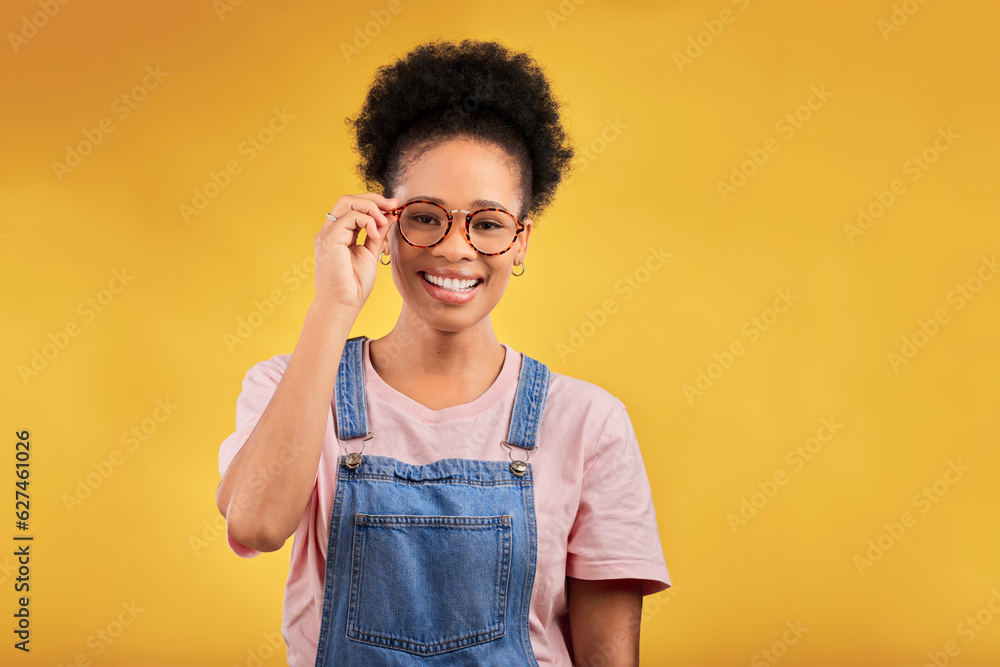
<point>451,284</point>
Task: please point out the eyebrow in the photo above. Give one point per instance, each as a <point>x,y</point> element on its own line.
<point>478,203</point>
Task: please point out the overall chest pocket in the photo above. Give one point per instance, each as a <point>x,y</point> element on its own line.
<point>429,584</point>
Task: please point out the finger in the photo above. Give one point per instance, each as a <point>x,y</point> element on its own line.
<point>380,228</point>
<point>385,203</point>
<point>344,206</point>
<point>369,211</point>
<point>378,202</point>
<point>372,245</point>
<point>361,217</point>
<point>375,245</point>
<point>351,222</point>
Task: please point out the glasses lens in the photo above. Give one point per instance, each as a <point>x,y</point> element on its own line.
<point>492,231</point>
<point>422,223</point>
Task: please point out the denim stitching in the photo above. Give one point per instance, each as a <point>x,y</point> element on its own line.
<point>501,525</point>
<point>529,502</point>
<point>529,403</point>
<point>358,550</point>
<point>352,412</point>
<point>331,557</point>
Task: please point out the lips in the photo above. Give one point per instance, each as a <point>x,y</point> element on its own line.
<point>452,284</point>
<point>459,274</point>
<point>450,296</point>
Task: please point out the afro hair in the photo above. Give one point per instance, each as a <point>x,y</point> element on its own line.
<point>481,90</point>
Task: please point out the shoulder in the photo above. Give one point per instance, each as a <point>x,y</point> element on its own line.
<point>573,399</point>
<point>261,381</point>
<point>582,390</point>
<point>273,368</point>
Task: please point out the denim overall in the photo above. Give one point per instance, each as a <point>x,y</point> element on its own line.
<point>430,564</point>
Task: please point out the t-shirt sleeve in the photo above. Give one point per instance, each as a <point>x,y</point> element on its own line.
<point>259,385</point>
<point>615,535</point>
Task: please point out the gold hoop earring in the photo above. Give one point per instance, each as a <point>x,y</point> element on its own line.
<point>523,268</point>
<point>380,260</point>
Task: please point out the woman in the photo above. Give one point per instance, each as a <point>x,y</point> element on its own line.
<point>423,533</point>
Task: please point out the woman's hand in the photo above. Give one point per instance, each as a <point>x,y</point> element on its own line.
<point>345,270</point>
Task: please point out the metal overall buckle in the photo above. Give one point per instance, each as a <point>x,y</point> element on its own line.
<point>517,466</point>
<point>353,459</point>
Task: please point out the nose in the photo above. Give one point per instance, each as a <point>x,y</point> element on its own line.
<point>452,248</point>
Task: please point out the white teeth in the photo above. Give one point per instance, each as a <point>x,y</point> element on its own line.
<point>451,284</point>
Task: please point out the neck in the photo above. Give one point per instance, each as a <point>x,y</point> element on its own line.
<point>429,352</point>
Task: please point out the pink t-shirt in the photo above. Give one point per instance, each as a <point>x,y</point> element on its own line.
<point>594,509</point>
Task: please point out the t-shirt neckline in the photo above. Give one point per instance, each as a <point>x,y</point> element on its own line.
<point>503,383</point>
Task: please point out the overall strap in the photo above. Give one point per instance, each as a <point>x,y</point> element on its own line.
<point>352,411</point>
<point>529,403</point>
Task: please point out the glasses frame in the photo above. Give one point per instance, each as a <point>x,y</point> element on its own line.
<point>465,226</point>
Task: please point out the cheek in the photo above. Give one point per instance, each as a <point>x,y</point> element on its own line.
<point>397,247</point>
<point>499,275</point>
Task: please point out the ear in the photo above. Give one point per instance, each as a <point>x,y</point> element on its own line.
<point>387,239</point>
<point>522,246</point>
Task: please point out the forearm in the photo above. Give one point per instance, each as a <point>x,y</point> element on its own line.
<point>604,620</point>
<point>268,483</point>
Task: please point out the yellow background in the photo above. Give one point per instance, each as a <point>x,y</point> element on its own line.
<point>652,182</point>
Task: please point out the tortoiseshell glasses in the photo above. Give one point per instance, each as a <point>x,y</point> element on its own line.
<point>424,224</point>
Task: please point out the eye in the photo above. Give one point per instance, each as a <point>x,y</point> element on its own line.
<point>493,222</point>
<point>420,214</point>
